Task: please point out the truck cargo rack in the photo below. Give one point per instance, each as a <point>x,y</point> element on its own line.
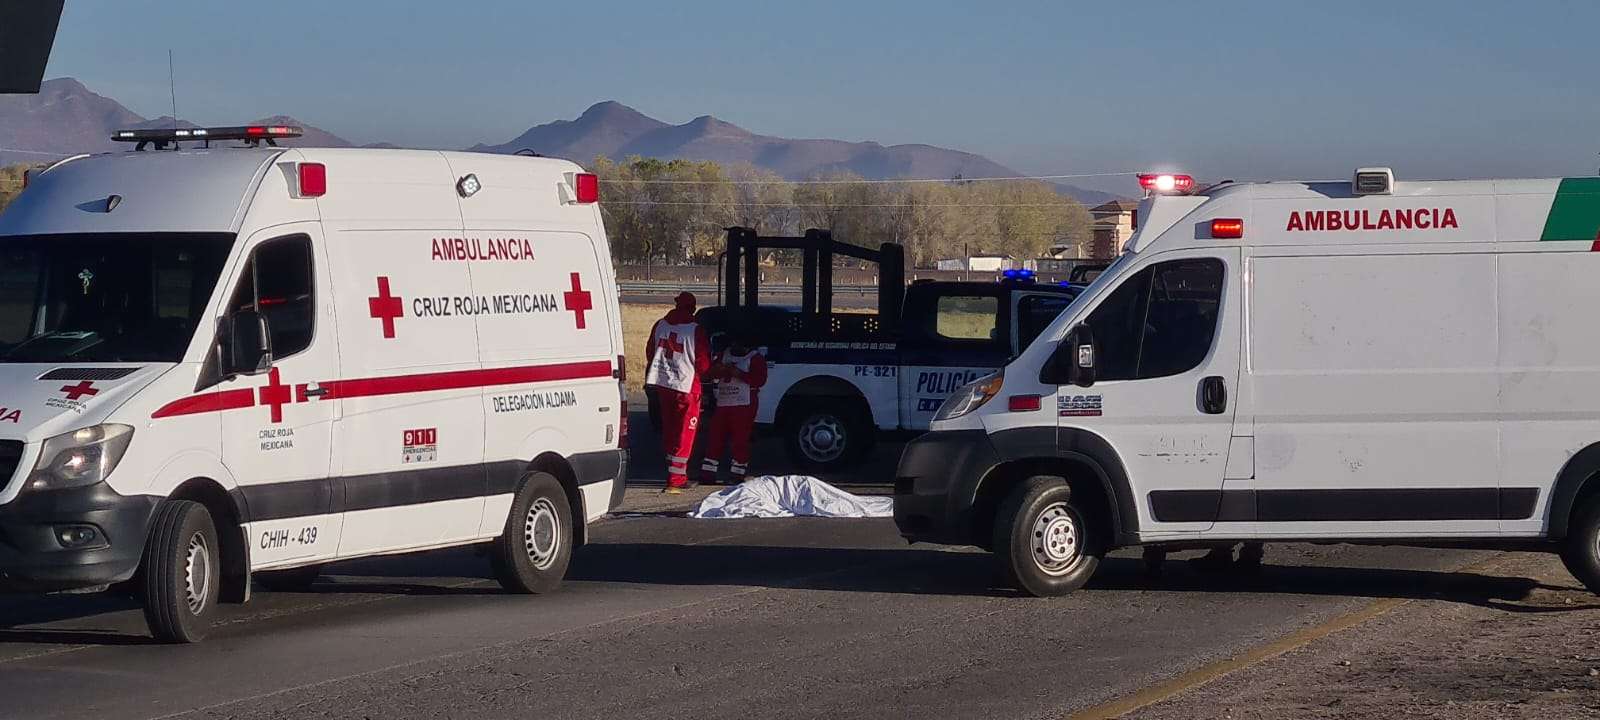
<point>741,283</point>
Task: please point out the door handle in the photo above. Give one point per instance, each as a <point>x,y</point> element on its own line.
<point>316,391</point>
<point>1213,395</point>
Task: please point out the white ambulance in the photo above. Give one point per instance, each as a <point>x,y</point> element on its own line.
<point>219,362</point>
<point>1382,361</point>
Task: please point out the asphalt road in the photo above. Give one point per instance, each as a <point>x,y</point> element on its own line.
<point>664,616</point>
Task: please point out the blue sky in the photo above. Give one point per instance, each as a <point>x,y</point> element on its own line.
<point>1243,89</point>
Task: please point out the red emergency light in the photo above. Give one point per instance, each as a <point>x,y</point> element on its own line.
<point>587,187</point>
<point>313,180</point>
<point>1166,183</point>
<point>271,131</point>
<point>1227,228</point>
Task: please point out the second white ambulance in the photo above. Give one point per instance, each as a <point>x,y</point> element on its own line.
<point>1371,361</point>
<point>222,362</point>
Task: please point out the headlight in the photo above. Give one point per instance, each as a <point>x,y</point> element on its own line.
<point>971,396</point>
<point>81,457</point>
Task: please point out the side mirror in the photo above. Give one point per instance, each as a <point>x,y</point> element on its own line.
<point>247,346</point>
<point>1073,361</point>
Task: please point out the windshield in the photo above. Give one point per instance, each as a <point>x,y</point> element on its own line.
<point>124,297</point>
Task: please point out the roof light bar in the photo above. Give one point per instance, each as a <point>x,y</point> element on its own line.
<point>1165,184</point>
<point>252,134</point>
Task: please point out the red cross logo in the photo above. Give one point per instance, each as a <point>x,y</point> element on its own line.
<point>82,389</point>
<point>670,344</point>
<point>276,394</point>
<point>577,300</point>
<point>386,307</point>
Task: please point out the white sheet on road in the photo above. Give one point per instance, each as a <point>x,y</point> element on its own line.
<point>778,496</point>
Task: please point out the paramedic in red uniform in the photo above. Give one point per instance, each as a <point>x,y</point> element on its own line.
<point>740,372</point>
<point>676,356</point>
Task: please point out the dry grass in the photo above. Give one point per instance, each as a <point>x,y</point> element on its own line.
<point>636,323</point>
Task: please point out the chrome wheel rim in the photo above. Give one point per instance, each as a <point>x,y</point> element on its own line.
<point>822,438</point>
<point>1056,540</point>
<point>197,573</point>
<point>541,533</point>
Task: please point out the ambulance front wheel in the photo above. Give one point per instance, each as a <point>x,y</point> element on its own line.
<point>1045,541</point>
<point>180,572</point>
<point>532,555</point>
<point>1581,554</point>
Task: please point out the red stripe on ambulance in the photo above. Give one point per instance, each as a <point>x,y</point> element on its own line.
<point>403,384</point>
<point>208,402</point>
<point>392,385</point>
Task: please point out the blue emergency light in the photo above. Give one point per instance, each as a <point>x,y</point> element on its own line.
<point>1018,275</point>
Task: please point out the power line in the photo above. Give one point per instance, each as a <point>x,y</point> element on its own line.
<point>36,152</point>
<point>827,205</point>
<point>890,181</point>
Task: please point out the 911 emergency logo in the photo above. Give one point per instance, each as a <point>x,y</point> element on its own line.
<point>388,307</point>
<point>419,446</point>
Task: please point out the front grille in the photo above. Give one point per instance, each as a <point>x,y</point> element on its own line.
<point>89,373</point>
<point>10,456</point>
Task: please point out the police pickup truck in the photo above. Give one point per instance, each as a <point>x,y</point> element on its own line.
<point>835,378</point>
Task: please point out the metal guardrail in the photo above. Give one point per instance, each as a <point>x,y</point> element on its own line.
<point>710,289</point>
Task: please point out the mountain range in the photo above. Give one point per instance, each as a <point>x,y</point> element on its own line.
<point>66,117</point>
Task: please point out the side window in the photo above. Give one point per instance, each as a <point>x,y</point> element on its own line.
<point>967,317</point>
<point>279,283</point>
<point>1035,313</point>
<point>20,283</point>
<point>1160,322</point>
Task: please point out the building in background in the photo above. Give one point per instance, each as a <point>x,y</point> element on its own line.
<point>979,263</point>
<point>1113,224</point>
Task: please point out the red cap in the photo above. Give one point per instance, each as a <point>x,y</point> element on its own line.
<point>684,301</point>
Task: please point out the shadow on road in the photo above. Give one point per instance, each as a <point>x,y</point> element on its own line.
<point>907,571</point>
<point>72,637</point>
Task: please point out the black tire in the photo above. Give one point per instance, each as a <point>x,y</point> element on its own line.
<point>298,579</point>
<point>1044,540</point>
<point>1581,554</point>
<point>827,434</point>
<point>181,572</point>
<point>532,555</point>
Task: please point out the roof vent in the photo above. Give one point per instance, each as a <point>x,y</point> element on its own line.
<point>1373,181</point>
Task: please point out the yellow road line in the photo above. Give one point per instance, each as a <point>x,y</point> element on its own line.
<point>1202,675</point>
<point>1206,673</point>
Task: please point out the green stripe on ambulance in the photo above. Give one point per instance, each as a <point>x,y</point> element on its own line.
<point>1575,214</point>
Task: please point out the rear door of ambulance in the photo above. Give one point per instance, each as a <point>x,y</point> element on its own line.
<point>546,333</point>
<point>408,447</point>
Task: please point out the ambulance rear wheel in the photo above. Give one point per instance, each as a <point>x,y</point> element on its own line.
<point>180,572</point>
<point>826,435</point>
<point>532,555</point>
<point>1044,540</point>
<point>1582,551</point>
